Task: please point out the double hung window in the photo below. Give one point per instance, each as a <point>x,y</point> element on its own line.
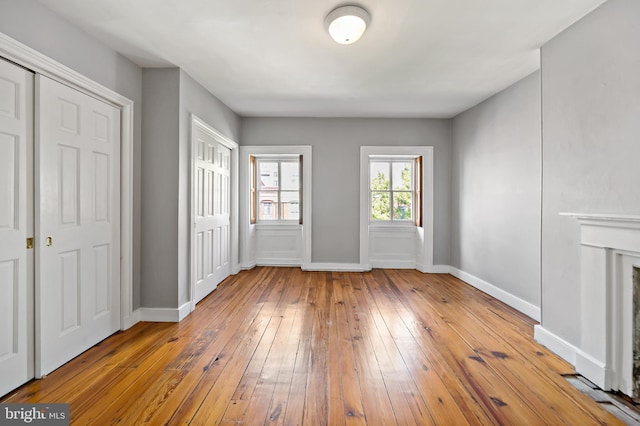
<point>277,189</point>
<point>394,190</point>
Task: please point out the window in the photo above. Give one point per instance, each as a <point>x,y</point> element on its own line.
<point>394,189</point>
<point>277,186</point>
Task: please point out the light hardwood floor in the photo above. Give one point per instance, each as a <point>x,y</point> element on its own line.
<point>283,346</point>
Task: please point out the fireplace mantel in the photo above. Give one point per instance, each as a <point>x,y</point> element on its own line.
<point>610,248</point>
<point>622,221</point>
<point>632,218</point>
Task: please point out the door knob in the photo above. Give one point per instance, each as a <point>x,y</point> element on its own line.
<point>49,241</point>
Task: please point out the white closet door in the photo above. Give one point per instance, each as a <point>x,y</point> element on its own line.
<point>77,276</point>
<point>16,225</point>
<point>212,203</point>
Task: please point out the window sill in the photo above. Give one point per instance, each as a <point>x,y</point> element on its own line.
<point>278,226</point>
<point>395,227</point>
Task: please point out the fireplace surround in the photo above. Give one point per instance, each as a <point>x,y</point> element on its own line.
<point>609,351</point>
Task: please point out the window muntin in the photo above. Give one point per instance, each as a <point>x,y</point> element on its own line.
<point>278,187</point>
<point>391,189</point>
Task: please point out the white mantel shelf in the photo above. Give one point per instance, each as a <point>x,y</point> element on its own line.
<point>615,231</point>
<point>604,217</point>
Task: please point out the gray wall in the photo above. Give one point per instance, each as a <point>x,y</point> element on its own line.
<point>336,173</point>
<point>37,27</point>
<point>169,98</point>
<point>496,190</point>
<point>160,171</point>
<point>591,145</point>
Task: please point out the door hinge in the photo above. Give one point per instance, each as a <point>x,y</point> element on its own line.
<point>30,243</point>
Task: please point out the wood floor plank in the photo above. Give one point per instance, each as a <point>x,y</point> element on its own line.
<point>294,414</point>
<point>233,358</point>
<point>214,405</point>
<point>197,383</point>
<point>438,369</point>
<point>499,317</point>
<point>397,378</point>
<point>487,388</point>
<point>287,347</point>
<point>336,413</point>
<point>273,361</point>
<point>375,398</point>
<point>260,407</point>
<point>523,377</point>
<point>349,376</point>
<point>251,377</point>
<point>487,384</point>
<point>468,326</point>
<point>89,367</point>
<point>437,402</point>
<point>96,374</point>
<point>115,398</point>
<point>316,403</point>
<point>292,323</point>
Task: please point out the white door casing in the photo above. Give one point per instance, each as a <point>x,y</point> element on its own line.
<point>16,225</point>
<point>211,195</point>
<point>78,237</point>
<point>31,59</point>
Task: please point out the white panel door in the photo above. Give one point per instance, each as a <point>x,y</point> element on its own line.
<point>77,276</point>
<point>16,225</point>
<point>212,203</point>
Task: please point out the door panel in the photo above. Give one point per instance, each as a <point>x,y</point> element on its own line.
<point>212,201</point>
<point>16,224</point>
<point>9,193</point>
<point>77,277</point>
<point>69,289</point>
<point>223,242</point>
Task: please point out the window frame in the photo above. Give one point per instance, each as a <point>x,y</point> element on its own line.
<point>255,188</point>
<point>416,190</point>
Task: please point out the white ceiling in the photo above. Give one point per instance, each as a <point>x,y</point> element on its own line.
<point>419,58</point>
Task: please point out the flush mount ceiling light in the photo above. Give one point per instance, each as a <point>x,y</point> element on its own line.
<point>346,24</point>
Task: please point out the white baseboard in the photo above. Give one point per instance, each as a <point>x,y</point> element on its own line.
<point>555,344</point>
<point>592,369</point>
<point>248,266</point>
<point>165,314</point>
<point>504,296</point>
<point>433,269</point>
<point>393,264</point>
<point>184,311</point>
<point>337,267</point>
<point>131,320</point>
<point>277,262</point>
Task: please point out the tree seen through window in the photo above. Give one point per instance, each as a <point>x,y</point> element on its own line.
<point>391,190</point>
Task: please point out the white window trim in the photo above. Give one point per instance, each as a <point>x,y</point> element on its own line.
<point>275,225</point>
<point>394,222</point>
<point>425,261</point>
<point>280,159</point>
